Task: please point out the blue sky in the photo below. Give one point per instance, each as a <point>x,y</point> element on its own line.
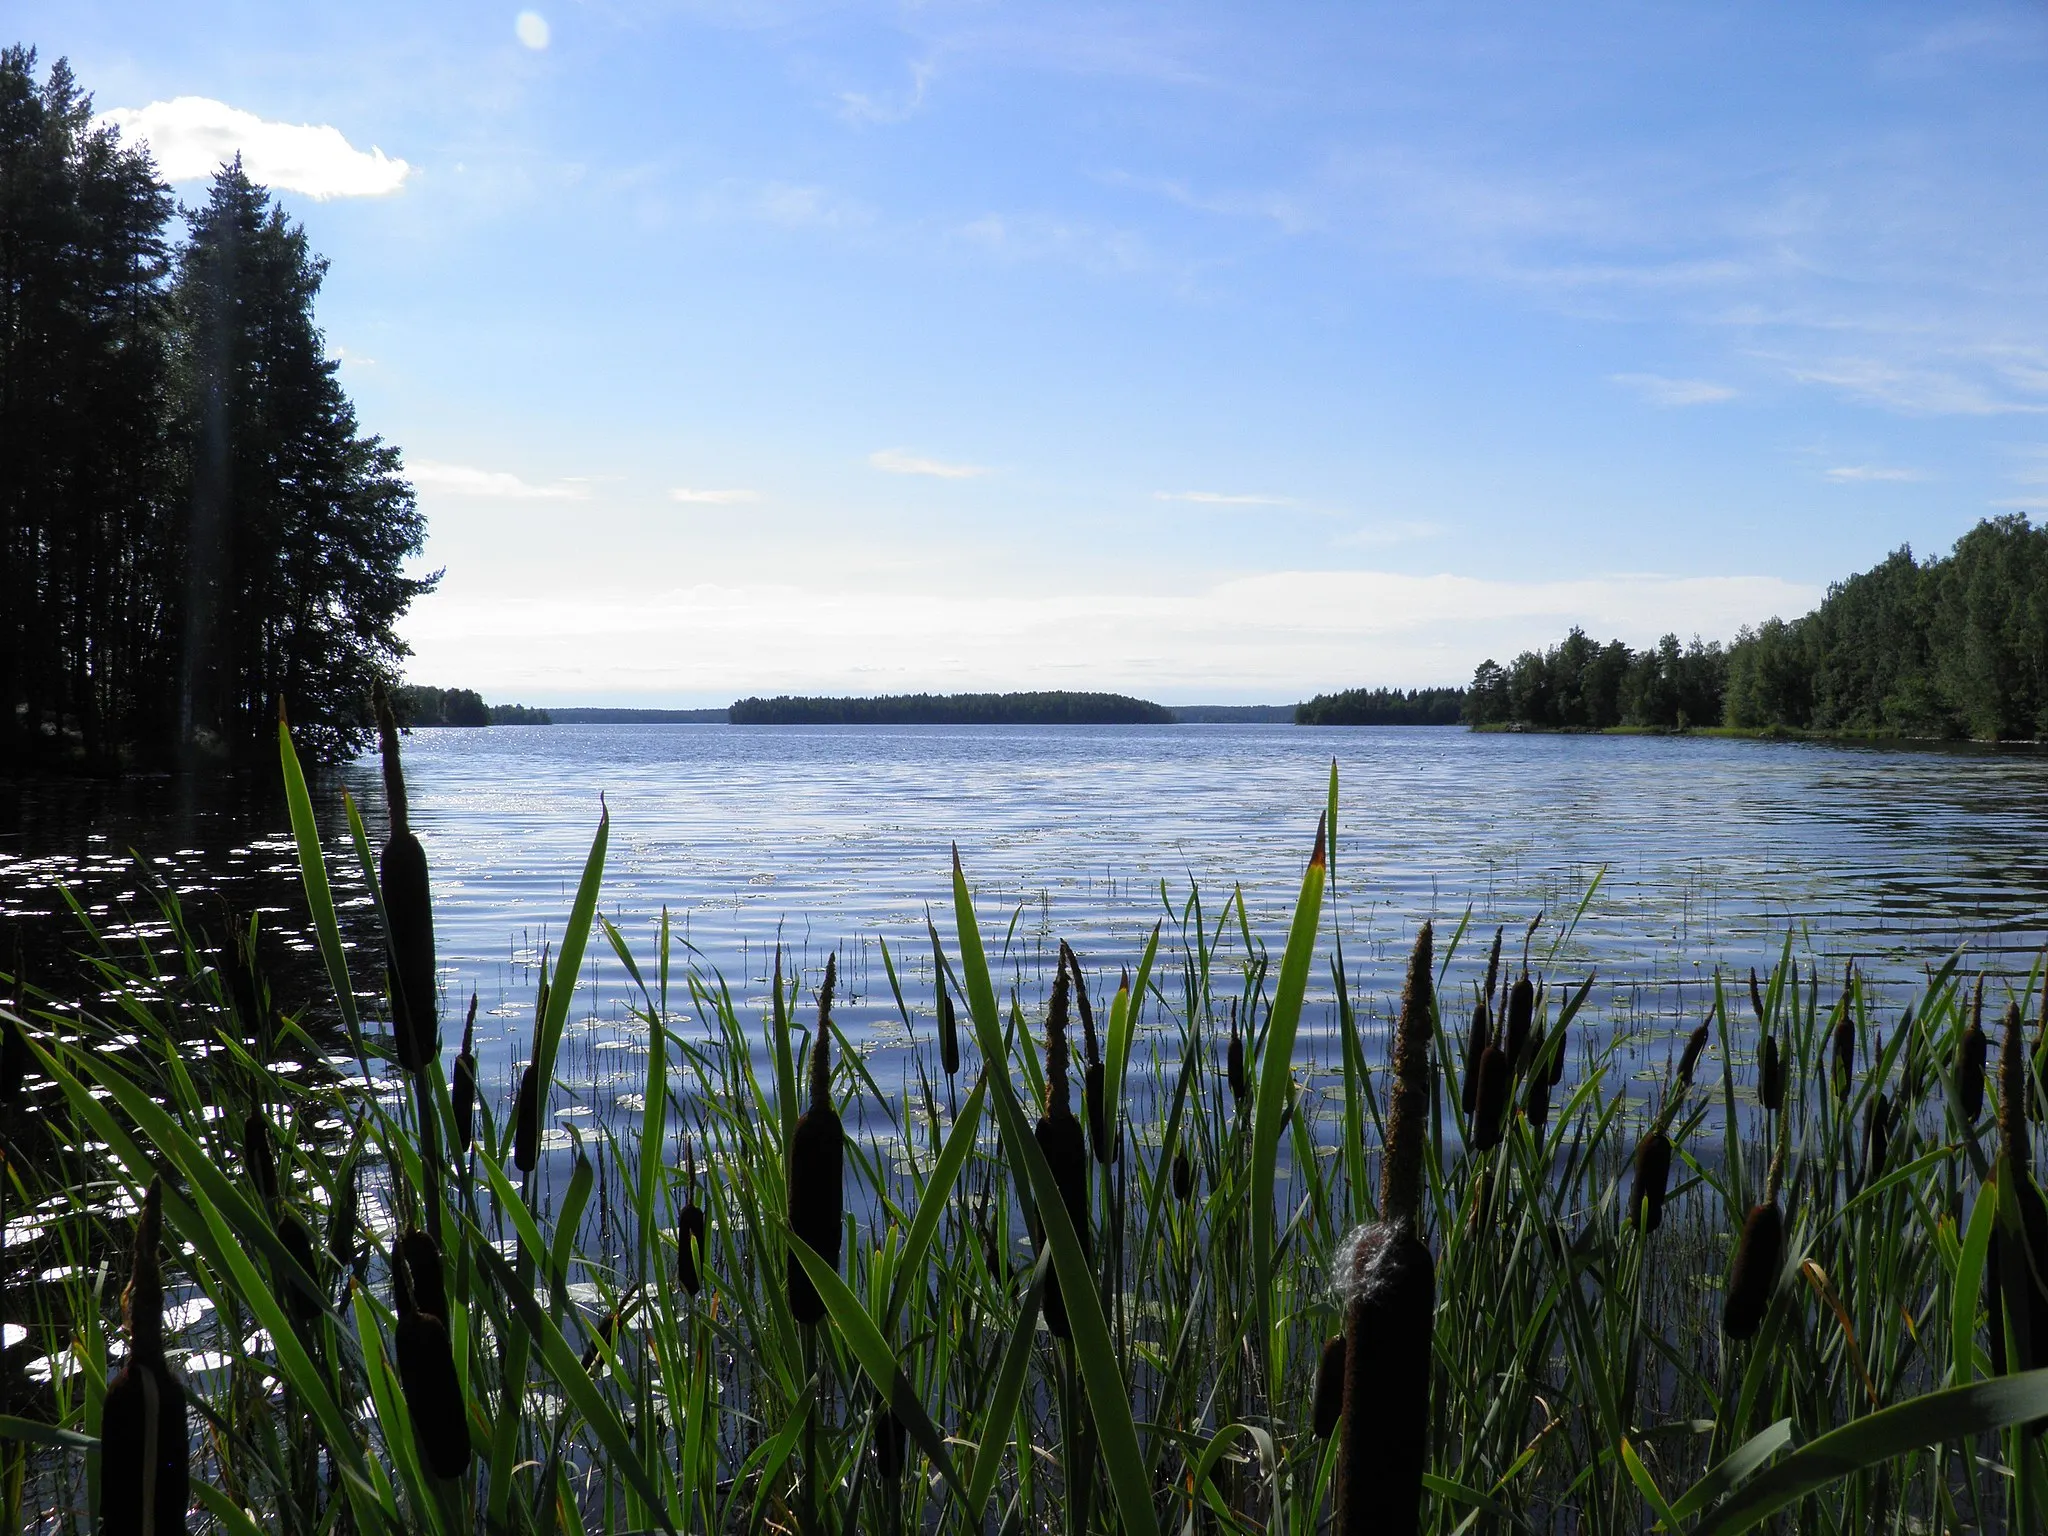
<point>1210,353</point>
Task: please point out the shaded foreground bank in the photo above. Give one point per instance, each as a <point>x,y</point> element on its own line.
<point>612,1314</point>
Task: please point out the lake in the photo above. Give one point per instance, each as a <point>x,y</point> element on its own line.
<point>837,838</point>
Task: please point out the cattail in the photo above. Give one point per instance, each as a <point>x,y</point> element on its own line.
<point>526,1120</point>
<point>1490,1103</point>
<point>463,1094</point>
<point>1521,1012</point>
<point>1390,1284</point>
<point>1558,1046</point>
<point>1759,1254</point>
<point>1329,1405</point>
<point>690,1231</point>
<point>1233,1059</point>
<point>257,1157</point>
<point>145,1478</point>
<point>949,1025</point>
<point>1756,996</point>
<point>1092,1082</point>
<point>426,1359</point>
<point>408,913</point>
<point>1536,1099</point>
<point>1876,1137</point>
<point>2021,1259</point>
<point>889,1442</point>
<point>1059,1137</point>
<point>1970,1057</point>
<point>1493,967</point>
<point>343,1244</point>
<point>817,1164</point>
<point>1770,1075</point>
<point>1653,1175</point>
<point>1476,1042</point>
<point>1843,1040</point>
<point>1183,1176</point>
<point>1689,1060</point>
<point>304,1300</point>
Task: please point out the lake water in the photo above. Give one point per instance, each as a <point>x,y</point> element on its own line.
<point>835,839</point>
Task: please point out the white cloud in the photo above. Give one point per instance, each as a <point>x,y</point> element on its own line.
<point>713,498</point>
<point>1279,635</point>
<point>192,136</point>
<point>897,462</point>
<point>1863,472</point>
<point>463,480</point>
<point>1914,390</point>
<point>531,28</point>
<point>1221,499</point>
<point>1659,390</point>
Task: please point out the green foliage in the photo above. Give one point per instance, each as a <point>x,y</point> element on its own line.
<point>417,706</point>
<point>192,527</point>
<point>1955,647</point>
<point>1054,708</point>
<point>1580,684</point>
<point>1383,706</point>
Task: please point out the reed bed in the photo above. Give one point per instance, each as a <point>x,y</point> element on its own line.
<point>1104,1259</point>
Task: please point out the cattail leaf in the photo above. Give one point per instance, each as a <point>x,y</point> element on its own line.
<point>1731,1471</point>
<point>1001,1409</point>
<point>570,1379</point>
<point>1212,1453</point>
<point>876,1359</point>
<point>389,1400</point>
<point>1969,1286</point>
<point>1954,1413</point>
<point>889,968</point>
<point>1122,1454</point>
<point>1275,1077</point>
<point>319,895</point>
<point>568,1218</point>
<point>931,1205</point>
<point>569,959</point>
<point>510,1203</point>
<point>1123,1029</point>
<point>232,1516</point>
<point>30,1432</point>
<point>1647,1486</point>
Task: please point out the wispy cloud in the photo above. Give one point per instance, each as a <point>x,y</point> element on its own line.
<point>713,498</point>
<point>1223,499</point>
<point>1659,390</point>
<point>896,461</point>
<point>792,205</point>
<point>860,107</point>
<point>1862,472</point>
<point>465,480</point>
<point>192,136</point>
<point>1915,390</point>
<point>1378,535</point>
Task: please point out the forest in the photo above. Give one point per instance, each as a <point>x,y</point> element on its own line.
<point>194,529</point>
<point>1049,708</point>
<point>1952,647</point>
<point>1383,706</point>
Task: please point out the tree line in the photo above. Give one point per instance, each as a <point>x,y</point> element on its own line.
<point>1954,646</point>
<point>1383,706</point>
<point>1055,707</point>
<point>193,527</point>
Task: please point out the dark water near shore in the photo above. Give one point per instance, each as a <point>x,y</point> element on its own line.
<point>837,839</point>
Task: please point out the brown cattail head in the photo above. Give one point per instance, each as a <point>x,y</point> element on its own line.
<point>1759,1255</point>
<point>416,1280</point>
<point>462,1093</point>
<point>1653,1176</point>
<point>817,1167</point>
<point>1408,1113</point>
<point>1843,1040</point>
<point>1558,1047</point>
<point>949,1025</point>
<point>257,1157</point>
<point>1476,1041</point>
<point>1183,1176</point>
<point>145,1449</point>
<point>1490,1103</point>
<point>690,1233</point>
<point>433,1393</point>
<point>1059,1137</point>
<point>1389,1316</point>
<point>1536,1100</point>
<point>2012,1092</point>
<point>303,1297</point>
<point>1058,1100</point>
<point>2019,1261</point>
<point>408,914</point>
<point>1689,1060</point>
<point>526,1120</point>
<point>343,1240</point>
<point>1877,1132</point>
<point>1233,1061</point>
<point>1756,996</point>
<point>1492,968</point>
<point>1770,1075</point>
<point>1329,1404</point>
<point>1521,1013</point>
<point>1970,1057</point>
<point>889,1440</point>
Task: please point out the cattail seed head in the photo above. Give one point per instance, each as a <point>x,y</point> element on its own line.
<point>1233,1056</point>
<point>1408,1113</point>
<point>1536,1100</point>
<point>257,1157</point>
<point>426,1358</point>
<point>2012,1092</point>
<point>1876,1137</point>
<point>145,1448</point>
<point>1059,1137</point>
<point>817,1167</point>
<point>462,1093</point>
<point>408,914</point>
<point>1476,1041</point>
<point>1688,1062</point>
<point>949,1035</point>
<point>889,1440</point>
<point>1492,968</point>
<point>1490,1103</point>
<point>2019,1259</point>
<point>1770,1075</point>
<point>304,1303</point>
<point>1559,1046</point>
<point>691,1228</point>
<point>1183,1176</point>
<point>1971,1053</point>
<point>343,1240</point>
<point>1389,1316</point>
<point>1329,1404</point>
<point>1843,1043</point>
<point>1521,1012</point>
<point>1759,1255</point>
<point>1756,996</point>
<point>1653,1175</point>
<point>526,1120</point>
